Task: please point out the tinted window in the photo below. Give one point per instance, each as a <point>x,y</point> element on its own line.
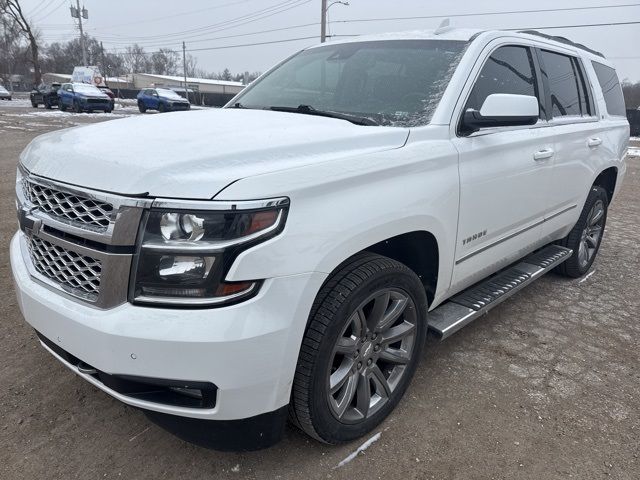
<point>563,84</point>
<point>508,70</point>
<point>395,82</point>
<point>586,97</point>
<point>610,89</point>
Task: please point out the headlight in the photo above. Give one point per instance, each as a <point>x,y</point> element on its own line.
<point>184,255</point>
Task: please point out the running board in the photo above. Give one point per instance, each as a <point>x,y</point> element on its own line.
<point>477,300</point>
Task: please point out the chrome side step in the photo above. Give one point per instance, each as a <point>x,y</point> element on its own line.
<point>477,300</point>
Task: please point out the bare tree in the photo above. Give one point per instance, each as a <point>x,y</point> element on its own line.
<point>135,59</point>
<point>164,62</point>
<point>13,10</point>
<point>192,65</point>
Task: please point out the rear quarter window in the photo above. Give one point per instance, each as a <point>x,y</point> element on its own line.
<point>611,89</point>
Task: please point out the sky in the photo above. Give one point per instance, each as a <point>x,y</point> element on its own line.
<point>203,23</point>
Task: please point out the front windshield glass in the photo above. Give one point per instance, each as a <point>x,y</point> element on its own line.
<point>163,92</point>
<point>393,82</point>
<point>3,90</point>
<point>86,89</point>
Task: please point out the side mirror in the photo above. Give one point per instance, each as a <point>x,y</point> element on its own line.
<point>502,110</point>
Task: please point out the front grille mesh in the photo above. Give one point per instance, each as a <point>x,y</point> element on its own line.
<point>68,268</point>
<point>71,207</point>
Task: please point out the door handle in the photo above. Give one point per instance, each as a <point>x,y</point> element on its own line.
<point>543,154</point>
<point>594,142</point>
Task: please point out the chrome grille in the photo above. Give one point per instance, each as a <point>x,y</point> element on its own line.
<point>71,207</point>
<point>70,269</point>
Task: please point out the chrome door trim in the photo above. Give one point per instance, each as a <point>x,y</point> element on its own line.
<point>514,234</point>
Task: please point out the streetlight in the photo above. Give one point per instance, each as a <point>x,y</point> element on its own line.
<point>323,25</point>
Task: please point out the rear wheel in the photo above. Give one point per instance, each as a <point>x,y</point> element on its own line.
<point>34,104</point>
<point>141,107</point>
<point>362,345</point>
<point>62,107</point>
<point>586,236</point>
<point>162,108</point>
<point>47,104</point>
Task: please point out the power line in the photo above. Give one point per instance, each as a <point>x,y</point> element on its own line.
<point>478,14</point>
<point>224,25</point>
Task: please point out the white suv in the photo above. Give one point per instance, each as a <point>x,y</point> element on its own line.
<point>285,256</point>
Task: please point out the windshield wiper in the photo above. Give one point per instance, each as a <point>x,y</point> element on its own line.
<point>309,110</point>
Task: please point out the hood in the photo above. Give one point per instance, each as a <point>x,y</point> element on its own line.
<point>196,154</point>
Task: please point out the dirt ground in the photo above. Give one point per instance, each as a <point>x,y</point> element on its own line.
<point>546,386</point>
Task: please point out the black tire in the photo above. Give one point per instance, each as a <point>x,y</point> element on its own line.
<point>141,107</point>
<point>342,295</point>
<point>77,107</point>
<point>47,105</point>
<point>34,104</point>
<point>62,107</point>
<point>162,108</point>
<point>577,265</point>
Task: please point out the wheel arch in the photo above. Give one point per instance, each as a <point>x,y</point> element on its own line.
<point>607,179</point>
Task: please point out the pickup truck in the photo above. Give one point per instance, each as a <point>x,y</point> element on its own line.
<point>285,256</point>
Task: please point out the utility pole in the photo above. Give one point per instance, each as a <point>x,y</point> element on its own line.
<point>323,22</point>
<point>6,52</point>
<point>323,17</point>
<point>184,69</point>
<point>78,13</point>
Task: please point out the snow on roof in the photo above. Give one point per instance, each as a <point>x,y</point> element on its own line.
<point>204,81</point>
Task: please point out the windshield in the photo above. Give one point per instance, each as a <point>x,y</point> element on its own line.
<point>394,82</point>
<point>3,90</point>
<point>163,92</point>
<point>86,89</point>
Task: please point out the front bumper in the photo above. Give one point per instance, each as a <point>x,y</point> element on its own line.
<point>248,351</point>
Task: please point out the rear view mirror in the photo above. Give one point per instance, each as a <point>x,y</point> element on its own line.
<point>502,110</point>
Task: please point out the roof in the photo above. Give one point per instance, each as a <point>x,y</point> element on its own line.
<point>203,81</point>
<point>461,34</point>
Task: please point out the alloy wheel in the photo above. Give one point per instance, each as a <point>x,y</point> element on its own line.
<point>592,234</point>
<point>371,355</point>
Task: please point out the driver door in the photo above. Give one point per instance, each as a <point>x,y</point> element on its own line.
<point>504,172</point>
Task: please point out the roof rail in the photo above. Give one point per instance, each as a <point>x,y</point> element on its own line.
<point>559,39</point>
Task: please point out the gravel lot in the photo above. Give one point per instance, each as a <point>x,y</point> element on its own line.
<point>546,386</point>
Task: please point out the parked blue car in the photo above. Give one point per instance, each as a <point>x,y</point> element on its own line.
<point>82,97</point>
<point>161,99</point>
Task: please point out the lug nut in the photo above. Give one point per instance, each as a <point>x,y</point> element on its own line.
<point>376,348</point>
<point>356,354</point>
<point>359,365</point>
<point>369,362</point>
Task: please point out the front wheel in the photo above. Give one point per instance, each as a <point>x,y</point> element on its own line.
<point>362,345</point>
<point>586,236</point>
<point>77,107</point>
<point>62,107</point>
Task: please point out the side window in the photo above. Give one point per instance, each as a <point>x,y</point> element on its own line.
<point>563,84</point>
<point>508,70</point>
<point>608,80</point>
<point>586,97</point>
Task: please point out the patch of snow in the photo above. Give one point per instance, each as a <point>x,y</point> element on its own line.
<point>360,449</point>
<point>585,278</point>
<point>15,103</point>
<point>236,469</point>
<point>633,152</point>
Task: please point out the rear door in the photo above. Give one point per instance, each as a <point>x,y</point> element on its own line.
<point>503,171</point>
<point>578,138</point>
<point>65,94</point>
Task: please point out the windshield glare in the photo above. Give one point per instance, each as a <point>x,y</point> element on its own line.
<point>394,82</point>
